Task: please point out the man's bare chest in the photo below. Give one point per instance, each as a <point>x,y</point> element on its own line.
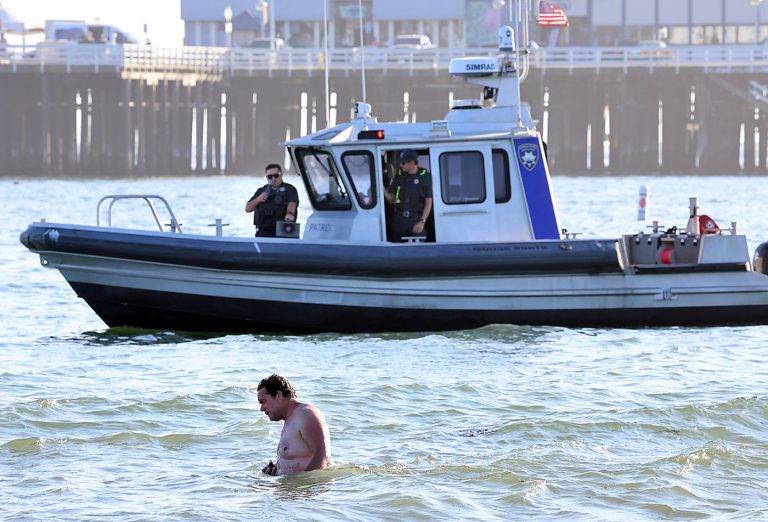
<point>292,445</point>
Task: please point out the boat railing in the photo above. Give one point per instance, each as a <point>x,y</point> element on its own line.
<point>150,199</point>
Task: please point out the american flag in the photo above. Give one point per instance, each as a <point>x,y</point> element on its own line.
<point>551,15</point>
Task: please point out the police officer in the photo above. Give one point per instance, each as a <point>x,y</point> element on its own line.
<point>410,191</point>
<point>275,201</point>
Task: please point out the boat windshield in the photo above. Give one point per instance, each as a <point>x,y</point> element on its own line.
<point>324,185</point>
<point>359,167</point>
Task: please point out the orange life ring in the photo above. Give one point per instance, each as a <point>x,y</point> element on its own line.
<point>665,255</point>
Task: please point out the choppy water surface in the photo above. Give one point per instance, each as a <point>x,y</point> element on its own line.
<point>500,423</point>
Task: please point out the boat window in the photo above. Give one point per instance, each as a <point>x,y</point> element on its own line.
<point>462,177</point>
<point>326,135</point>
<point>501,182</point>
<point>324,185</point>
<point>359,166</point>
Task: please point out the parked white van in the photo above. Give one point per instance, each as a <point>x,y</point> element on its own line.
<point>83,32</point>
<point>412,41</point>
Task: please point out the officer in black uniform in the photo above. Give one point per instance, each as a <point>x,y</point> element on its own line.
<point>410,191</point>
<point>275,201</point>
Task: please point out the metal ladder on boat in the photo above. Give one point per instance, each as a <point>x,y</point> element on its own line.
<point>149,199</point>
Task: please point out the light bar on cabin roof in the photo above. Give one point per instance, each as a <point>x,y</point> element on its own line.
<point>377,134</point>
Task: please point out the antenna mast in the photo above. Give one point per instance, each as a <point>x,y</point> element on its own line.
<point>362,47</point>
<point>325,66</point>
<point>526,18</point>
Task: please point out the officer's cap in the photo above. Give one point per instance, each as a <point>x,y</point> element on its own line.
<point>408,155</point>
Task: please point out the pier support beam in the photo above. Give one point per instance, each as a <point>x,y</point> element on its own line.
<point>128,125</point>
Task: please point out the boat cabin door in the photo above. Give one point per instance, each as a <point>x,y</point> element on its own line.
<point>463,193</point>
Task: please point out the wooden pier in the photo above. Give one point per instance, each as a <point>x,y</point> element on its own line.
<point>143,111</point>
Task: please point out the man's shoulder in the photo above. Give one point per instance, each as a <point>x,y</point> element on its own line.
<point>307,406</point>
<point>309,411</point>
<point>291,191</point>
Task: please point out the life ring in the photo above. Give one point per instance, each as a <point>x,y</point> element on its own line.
<point>707,225</point>
<point>665,255</point>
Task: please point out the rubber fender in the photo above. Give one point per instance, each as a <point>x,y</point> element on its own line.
<point>760,261</point>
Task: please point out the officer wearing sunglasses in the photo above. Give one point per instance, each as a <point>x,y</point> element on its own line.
<point>410,191</point>
<point>275,201</point>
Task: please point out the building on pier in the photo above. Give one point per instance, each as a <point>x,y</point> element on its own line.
<point>473,23</point>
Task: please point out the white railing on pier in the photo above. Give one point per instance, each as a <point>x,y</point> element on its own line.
<point>66,56</point>
<point>721,58</point>
<point>216,61</point>
<point>195,62</point>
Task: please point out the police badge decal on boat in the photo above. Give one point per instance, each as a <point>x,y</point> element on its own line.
<point>529,155</point>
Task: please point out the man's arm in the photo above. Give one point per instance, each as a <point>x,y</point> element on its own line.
<point>427,209</point>
<point>389,195</point>
<point>255,201</point>
<point>315,434</point>
<point>290,212</point>
<point>293,204</point>
<point>418,228</point>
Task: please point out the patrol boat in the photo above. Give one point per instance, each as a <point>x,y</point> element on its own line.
<point>495,252</point>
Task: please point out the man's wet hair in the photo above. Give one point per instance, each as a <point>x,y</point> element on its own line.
<point>274,166</point>
<point>275,383</point>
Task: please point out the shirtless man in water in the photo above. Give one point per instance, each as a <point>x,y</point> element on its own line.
<point>305,443</point>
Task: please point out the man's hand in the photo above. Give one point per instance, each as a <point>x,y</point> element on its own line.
<point>269,469</point>
<point>255,202</point>
<point>418,228</point>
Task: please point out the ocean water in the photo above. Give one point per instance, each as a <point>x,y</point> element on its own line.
<point>500,423</point>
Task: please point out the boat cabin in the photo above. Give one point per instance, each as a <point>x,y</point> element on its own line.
<point>488,164</point>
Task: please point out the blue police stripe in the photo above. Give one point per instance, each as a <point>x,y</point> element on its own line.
<point>538,193</point>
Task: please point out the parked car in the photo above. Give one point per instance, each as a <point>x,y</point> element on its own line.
<point>266,43</point>
<point>373,54</point>
<point>652,44</point>
<point>651,48</point>
<point>638,49</point>
<point>412,41</point>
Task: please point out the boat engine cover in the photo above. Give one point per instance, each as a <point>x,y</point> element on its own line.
<point>760,261</point>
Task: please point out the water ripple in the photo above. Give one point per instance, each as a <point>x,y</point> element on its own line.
<point>498,423</point>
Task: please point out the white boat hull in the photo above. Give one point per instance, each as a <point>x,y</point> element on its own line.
<point>126,292</point>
